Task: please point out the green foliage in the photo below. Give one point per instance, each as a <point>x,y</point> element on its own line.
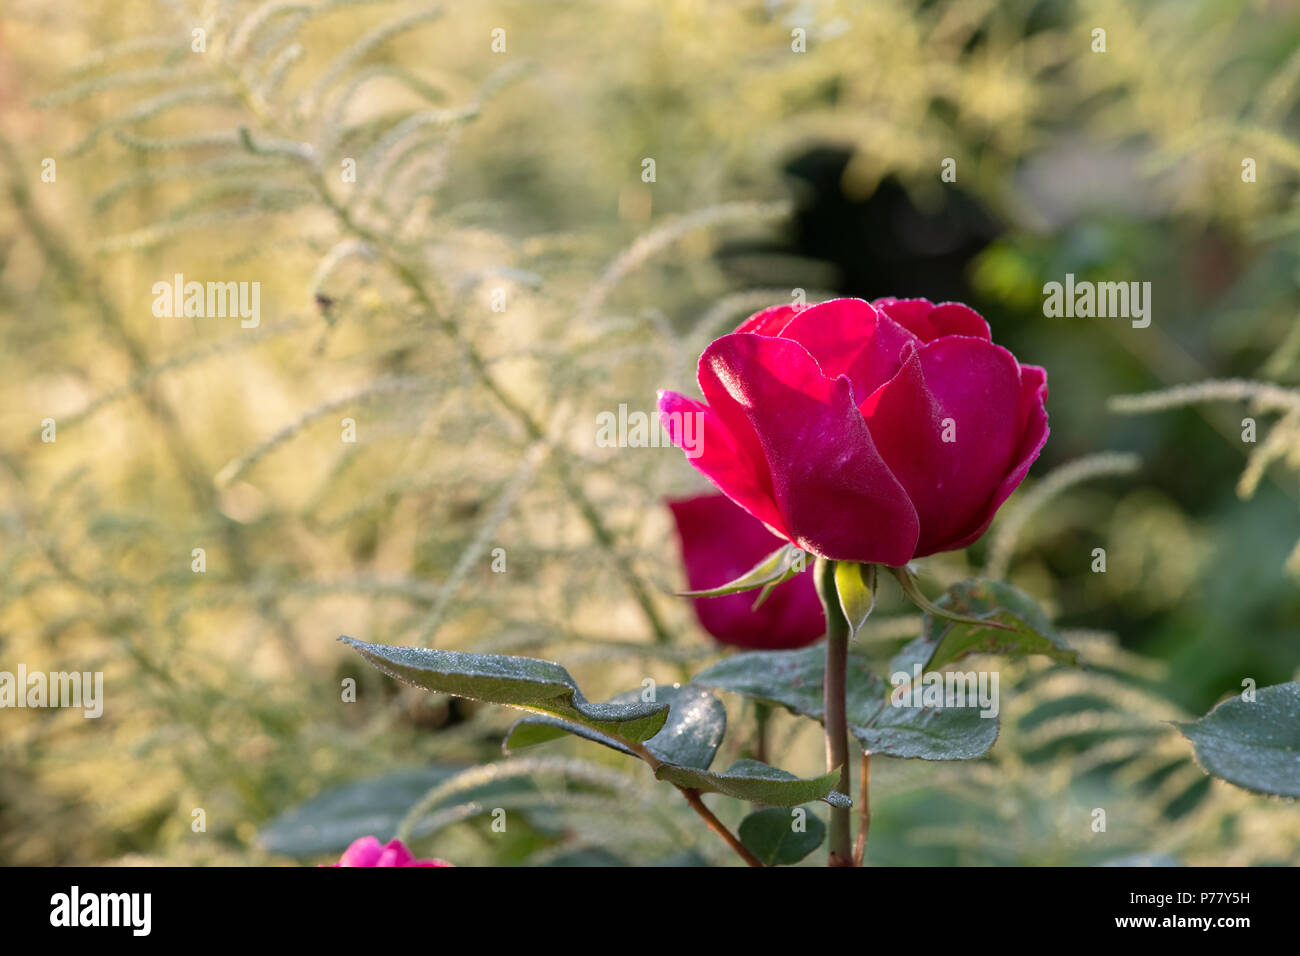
<point>759,783</point>
<point>855,584</point>
<point>689,737</point>
<point>771,835</point>
<point>332,820</point>
<point>1255,743</point>
<point>682,758</point>
<point>794,680</point>
<point>1074,740</point>
<point>1024,629</point>
<point>777,568</point>
<point>523,682</point>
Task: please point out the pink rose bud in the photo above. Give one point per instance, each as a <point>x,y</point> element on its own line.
<point>720,542</point>
<point>860,432</point>
<point>368,851</point>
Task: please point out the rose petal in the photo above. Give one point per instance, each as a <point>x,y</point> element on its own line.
<point>976,385</point>
<point>928,321</point>
<point>769,321</point>
<point>720,542</point>
<point>830,485</point>
<point>1033,395</point>
<point>365,851</point>
<point>396,854</point>
<point>737,471</point>
<point>849,337</point>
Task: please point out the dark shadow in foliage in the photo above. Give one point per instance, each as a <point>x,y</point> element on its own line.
<point>882,244</point>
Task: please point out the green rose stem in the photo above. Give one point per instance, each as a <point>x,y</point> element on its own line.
<point>864,809</point>
<point>697,804</point>
<point>718,827</point>
<point>762,720</point>
<point>837,727</point>
<point>406,829</point>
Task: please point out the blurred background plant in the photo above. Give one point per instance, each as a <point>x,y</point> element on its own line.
<point>496,274</point>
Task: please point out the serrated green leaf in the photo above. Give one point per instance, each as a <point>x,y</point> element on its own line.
<point>690,737</point>
<point>779,566</point>
<point>856,586</point>
<point>927,733</point>
<point>907,581</point>
<point>1252,744</point>
<point>1024,629</point>
<point>530,731</point>
<point>794,680</point>
<point>697,721</point>
<point>758,783</point>
<point>527,683</point>
<point>770,834</point>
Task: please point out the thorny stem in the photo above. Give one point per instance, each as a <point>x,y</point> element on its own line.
<point>837,727</point>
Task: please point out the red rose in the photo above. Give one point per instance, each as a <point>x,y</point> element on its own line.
<point>860,432</point>
<point>720,542</point>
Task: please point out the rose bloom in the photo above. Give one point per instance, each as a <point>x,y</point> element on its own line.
<point>720,542</point>
<point>368,851</point>
<point>873,432</point>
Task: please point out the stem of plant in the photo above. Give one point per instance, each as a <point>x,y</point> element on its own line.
<point>718,827</point>
<point>840,840</point>
<point>762,717</point>
<point>693,798</point>
<point>864,809</point>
